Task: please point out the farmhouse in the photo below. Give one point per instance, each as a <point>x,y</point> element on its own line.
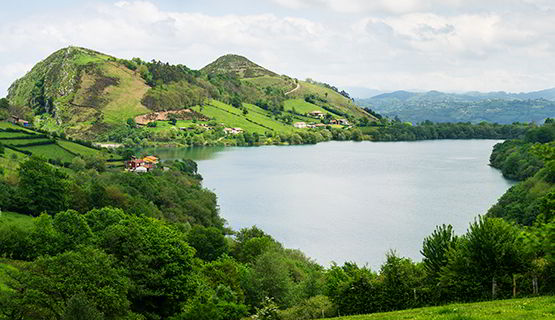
<point>343,122</point>
<point>141,165</point>
<point>19,121</point>
<point>299,125</point>
<point>316,114</point>
<point>233,130</point>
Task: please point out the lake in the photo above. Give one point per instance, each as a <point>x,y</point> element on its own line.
<point>351,201</point>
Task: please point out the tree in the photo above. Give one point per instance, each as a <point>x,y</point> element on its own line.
<point>131,123</point>
<point>4,103</point>
<point>158,261</point>
<point>435,250</point>
<point>484,261</point>
<point>209,242</point>
<point>401,281</point>
<point>44,288</point>
<point>80,308</point>
<point>173,118</point>
<point>42,187</point>
<point>73,229</point>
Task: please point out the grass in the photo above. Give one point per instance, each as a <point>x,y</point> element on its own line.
<point>5,267</point>
<point>19,142</point>
<point>229,115</point>
<point>528,308</point>
<point>12,218</point>
<point>9,161</point>
<point>86,58</point>
<point>12,135</point>
<point>274,82</point>
<point>304,107</point>
<point>77,148</point>
<point>125,99</point>
<point>9,125</point>
<point>335,100</point>
<point>51,151</point>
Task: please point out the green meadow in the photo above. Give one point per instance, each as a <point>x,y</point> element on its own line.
<point>515,309</point>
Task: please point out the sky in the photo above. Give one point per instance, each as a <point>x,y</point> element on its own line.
<point>447,45</point>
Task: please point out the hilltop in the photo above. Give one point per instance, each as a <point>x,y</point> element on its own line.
<point>94,96</point>
<point>237,65</point>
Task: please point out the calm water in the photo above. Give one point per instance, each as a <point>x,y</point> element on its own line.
<point>348,201</point>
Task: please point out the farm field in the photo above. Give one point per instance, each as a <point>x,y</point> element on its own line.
<point>303,107</point>
<point>12,135</point>
<point>50,151</point>
<point>77,148</point>
<point>528,308</point>
<point>232,117</point>
<point>9,125</point>
<point>20,142</point>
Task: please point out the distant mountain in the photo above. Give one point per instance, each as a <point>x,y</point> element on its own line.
<point>362,92</point>
<point>500,107</point>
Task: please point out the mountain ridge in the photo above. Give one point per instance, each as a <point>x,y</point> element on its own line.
<point>87,94</point>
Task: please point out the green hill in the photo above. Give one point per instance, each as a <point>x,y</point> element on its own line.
<point>90,95</point>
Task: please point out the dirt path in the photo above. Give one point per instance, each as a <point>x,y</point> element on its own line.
<point>297,88</point>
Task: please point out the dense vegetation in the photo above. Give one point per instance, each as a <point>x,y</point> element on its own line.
<point>495,107</point>
<point>115,245</point>
<point>427,130</point>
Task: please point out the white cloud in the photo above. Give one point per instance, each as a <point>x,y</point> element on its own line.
<point>426,44</point>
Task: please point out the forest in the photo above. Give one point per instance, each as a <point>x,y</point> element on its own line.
<point>94,243</point>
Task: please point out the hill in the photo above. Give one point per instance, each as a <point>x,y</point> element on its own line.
<point>89,95</point>
<point>531,309</point>
<point>475,107</point>
<point>237,65</point>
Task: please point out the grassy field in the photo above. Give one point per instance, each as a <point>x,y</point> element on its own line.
<point>9,125</point>
<point>12,135</point>
<point>274,82</point>
<point>529,309</point>
<point>19,142</point>
<point>335,99</point>
<point>13,218</point>
<point>9,161</point>
<point>229,115</point>
<point>125,99</point>
<point>50,151</point>
<point>304,107</point>
<point>77,148</point>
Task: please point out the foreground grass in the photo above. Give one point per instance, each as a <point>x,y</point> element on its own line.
<point>528,308</point>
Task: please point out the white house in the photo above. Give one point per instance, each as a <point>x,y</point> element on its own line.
<point>299,125</point>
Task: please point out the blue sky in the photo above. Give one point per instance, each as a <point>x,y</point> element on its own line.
<point>450,45</point>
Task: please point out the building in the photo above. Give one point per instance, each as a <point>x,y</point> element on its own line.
<point>18,121</point>
<point>316,114</point>
<point>141,165</point>
<point>343,122</point>
<point>233,130</point>
<point>299,125</point>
